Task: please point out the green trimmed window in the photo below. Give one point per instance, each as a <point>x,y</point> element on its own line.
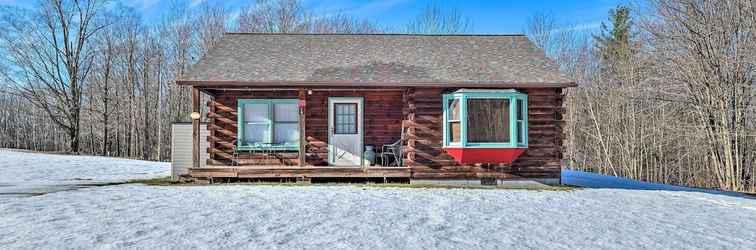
<point>485,119</point>
<point>268,124</point>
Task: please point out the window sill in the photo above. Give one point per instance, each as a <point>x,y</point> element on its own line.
<point>487,146</point>
<point>269,148</point>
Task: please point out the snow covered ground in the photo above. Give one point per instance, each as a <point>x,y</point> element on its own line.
<point>353,217</point>
<point>21,166</point>
<point>27,173</point>
<point>593,180</point>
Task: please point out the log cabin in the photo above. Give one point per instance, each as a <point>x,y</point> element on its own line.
<point>416,107</point>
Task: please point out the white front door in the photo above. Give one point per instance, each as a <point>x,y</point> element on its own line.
<point>345,131</point>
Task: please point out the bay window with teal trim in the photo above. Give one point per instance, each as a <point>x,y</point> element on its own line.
<point>485,118</point>
<point>268,124</point>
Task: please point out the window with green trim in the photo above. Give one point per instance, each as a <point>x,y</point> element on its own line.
<point>268,123</point>
<point>453,121</point>
<point>485,118</point>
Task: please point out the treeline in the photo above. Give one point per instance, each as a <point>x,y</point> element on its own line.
<point>666,86</point>
<point>666,92</point>
<point>93,77</point>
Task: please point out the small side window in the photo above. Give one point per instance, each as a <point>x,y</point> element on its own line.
<point>453,122</point>
<point>519,107</point>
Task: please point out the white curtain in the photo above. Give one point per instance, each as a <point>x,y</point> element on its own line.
<point>256,119</point>
<point>286,122</point>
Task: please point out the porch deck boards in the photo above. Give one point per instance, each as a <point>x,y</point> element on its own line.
<point>295,172</point>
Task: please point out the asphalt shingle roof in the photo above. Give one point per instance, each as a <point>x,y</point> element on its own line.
<point>375,60</point>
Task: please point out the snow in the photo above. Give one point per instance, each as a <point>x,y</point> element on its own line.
<point>257,217</point>
<point>24,167</point>
<point>27,173</point>
<point>349,217</point>
<point>593,180</point>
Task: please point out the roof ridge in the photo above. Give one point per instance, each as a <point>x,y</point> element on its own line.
<point>367,34</point>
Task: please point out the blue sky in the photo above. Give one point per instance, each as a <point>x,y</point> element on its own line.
<point>488,17</point>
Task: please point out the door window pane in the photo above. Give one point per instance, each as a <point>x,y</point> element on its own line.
<point>256,112</point>
<point>345,118</point>
<point>488,120</point>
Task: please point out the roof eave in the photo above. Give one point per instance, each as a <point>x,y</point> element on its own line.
<point>227,83</point>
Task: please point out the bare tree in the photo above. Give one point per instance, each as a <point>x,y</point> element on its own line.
<point>343,24</point>
<point>668,101</point>
<point>51,50</point>
<point>104,75</point>
<point>708,51</point>
<point>437,20</point>
<point>540,29</point>
<point>275,16</point>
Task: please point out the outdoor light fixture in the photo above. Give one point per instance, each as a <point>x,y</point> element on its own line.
<point>195,116</point>
<point>309,91</point>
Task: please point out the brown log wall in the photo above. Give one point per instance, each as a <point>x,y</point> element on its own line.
<point>383,116</point>
<point>421,111</point>
<point>425,153</point>
<point>382,121</point>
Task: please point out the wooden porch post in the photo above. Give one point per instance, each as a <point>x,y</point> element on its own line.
<point>195,128</point>
<point>302,136</point>
<point>409,123</point>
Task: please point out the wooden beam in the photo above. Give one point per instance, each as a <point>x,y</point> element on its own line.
<point>210,145</point>
<point>215,128</point>
<point>375,83</point>
<point>302,138</point>
<point>195,128</point>
<point>409,121</point>
<point>220,107</point>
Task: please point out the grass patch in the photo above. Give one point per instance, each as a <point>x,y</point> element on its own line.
<point>407,185</point>
<point>167,181</point>
<point>504,186</point>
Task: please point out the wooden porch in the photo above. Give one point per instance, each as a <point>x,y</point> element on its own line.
<point>300,172</point>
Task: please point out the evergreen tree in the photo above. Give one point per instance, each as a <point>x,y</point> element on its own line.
<point>616,42</point>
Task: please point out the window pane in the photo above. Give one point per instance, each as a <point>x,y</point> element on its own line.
<point>255,133</point>
<point>454,131</point>
<point>286,133</point>
<point>345,121</point>
<point>256,112</point>
<point>519,109</point>
<point>350,109</point>
<point>488,120</point>
<point>286,112</point>
<point>454,109</point>
<point>519,132</point>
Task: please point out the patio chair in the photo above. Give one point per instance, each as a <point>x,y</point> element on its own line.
<point>393,150</point>
<point>250,152</point>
